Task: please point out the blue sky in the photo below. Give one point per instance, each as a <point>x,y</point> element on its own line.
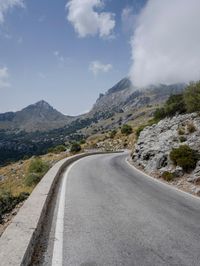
<point>44,56</point>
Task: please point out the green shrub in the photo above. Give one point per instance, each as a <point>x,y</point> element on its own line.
<point>57,149</point>
<point>159,113</point>
<point>174,105</point>
<point>192,97</point>
<point>8,201</point>
<point>167,176</point>
<point>83,141</point>
<point>184,157</point>
<point>182,139</point>
<point>38,166</point>
<point>32,179</point>
<point>75,147</point>
<point>139,130</point>
<point>126,129</point>
<point>191,128</point>
<point>181,131</point>
<point>36,171</point>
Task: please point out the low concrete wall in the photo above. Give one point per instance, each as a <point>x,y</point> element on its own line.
<point>18,240</point>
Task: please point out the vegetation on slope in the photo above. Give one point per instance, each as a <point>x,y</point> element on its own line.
<point>187,102</point>
<point>17,180</point>
<point>185,157</point>
<point>182,103</point>
<point>37,169</point>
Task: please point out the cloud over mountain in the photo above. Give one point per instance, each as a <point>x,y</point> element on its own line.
<point>165,44</point>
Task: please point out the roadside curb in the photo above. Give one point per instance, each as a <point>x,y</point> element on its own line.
<point>18,241</point>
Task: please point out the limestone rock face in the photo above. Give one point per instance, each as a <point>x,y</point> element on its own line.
<point>156,142</point>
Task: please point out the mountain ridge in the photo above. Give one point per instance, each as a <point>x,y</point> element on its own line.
<point>38,116</point>
<point>121,98</point>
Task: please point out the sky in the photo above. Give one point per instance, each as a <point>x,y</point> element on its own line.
<point>68,52</point>
<point>65,52</point>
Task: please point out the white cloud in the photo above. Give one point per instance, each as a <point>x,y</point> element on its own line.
<point>6,5</point>
<point>59,57</point>
<point>4,78</point>
<point>165,45</point>
<point>97,67</point>
<point>129,19</point>
<point>86,20</point>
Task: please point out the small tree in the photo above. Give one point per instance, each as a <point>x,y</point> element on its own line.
<point>126,129</point>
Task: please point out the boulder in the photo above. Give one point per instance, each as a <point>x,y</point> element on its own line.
<point>178,171</point>
<point>197,191</point>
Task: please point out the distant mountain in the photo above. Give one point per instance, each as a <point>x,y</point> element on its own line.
<point>125,97</point>
<point>39,116</point>
<point>121,98</point>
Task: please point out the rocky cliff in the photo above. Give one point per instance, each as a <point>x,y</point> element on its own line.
<point>156,142</point>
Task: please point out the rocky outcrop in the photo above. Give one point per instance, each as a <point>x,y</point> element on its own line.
<point>155,143</point>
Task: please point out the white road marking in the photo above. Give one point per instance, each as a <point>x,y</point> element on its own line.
<point>57,259</point>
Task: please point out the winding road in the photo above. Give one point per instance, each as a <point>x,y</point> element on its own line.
<point>109,213</point>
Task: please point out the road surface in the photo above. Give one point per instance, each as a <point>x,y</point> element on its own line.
<point>108,213</point>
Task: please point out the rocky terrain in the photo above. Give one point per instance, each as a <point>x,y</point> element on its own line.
<point>155,143</point>
<point>124,97</point>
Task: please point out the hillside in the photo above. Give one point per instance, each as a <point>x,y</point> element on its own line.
<point>36,117</point>
<point>170,148</point>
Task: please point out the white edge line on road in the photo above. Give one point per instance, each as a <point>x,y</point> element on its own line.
<point>162,183</point>
<point>57,258</point>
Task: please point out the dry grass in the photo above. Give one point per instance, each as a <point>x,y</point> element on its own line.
<point>15,174</point>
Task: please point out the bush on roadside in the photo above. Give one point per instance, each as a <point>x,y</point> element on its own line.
<point>126,129</point>
<point>185,157</point>
<point>75,147</point>
<point>37,169</point>
<point>167,176</point>
<point>8,202</point>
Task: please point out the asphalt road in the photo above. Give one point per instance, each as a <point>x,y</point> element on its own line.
<point>108,213</point>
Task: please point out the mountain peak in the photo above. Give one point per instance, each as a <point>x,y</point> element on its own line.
<point>43,104</point>
<point>123,84</point>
